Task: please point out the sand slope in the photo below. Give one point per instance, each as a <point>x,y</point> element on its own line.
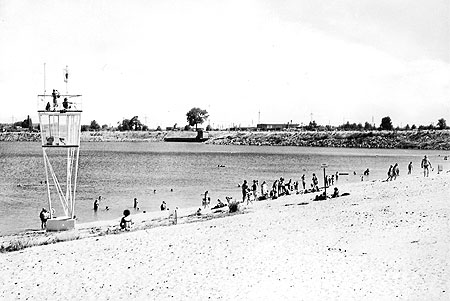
<point>384,241</point>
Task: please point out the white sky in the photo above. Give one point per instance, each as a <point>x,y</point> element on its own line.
<point>345,60</point>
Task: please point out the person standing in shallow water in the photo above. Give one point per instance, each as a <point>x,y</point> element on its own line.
<point>410,167</point>
<point>96,205</point>
<point>135,204</point>
<point>244,190</point>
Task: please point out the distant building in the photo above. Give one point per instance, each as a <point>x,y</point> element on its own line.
<point>276,126</point>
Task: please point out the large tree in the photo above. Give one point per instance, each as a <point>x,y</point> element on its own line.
<point>132,124</point>
<point>442,124</point>
<point>94,126</point>
<point>386,124</point>
<point>196,116</point>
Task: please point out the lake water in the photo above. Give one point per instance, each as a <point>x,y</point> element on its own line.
<point>121,171</point>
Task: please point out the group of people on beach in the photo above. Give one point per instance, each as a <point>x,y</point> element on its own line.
<point>280,187</point>
<point>394,170</point>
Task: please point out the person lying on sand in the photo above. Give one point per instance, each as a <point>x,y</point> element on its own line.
<point>320,197</point>
<point>220,204</point>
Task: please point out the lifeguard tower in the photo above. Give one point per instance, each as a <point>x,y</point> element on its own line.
<point>60,125</point>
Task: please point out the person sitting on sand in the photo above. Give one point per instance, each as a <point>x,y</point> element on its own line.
<point>163,206</point>
<point>126,221</point>
<point>335,193</point>
<point>44,216</point>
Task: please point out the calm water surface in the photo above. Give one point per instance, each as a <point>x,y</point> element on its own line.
<point>121,171</point>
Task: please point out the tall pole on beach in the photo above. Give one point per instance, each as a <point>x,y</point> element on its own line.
<point>324,165</point>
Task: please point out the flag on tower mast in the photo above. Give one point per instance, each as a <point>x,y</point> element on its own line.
<point>66,77</point>
<point>66,74</point>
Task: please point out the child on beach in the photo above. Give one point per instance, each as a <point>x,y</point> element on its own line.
<point>335,193</point>
<point>163,206</point>
<point>126,221</point>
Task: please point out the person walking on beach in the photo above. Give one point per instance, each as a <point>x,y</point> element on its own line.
<point>410,167</point>
<point>135,204</point>
<point>389,173</point>
<point>426,165</point>
<point>315,182</point>
<point>303,182</point>
<point>44,215</point>
<point>395,171</point>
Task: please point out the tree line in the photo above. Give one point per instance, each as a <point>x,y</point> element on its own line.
<point>197,116</point>
<point>385,125</point>
<point>194,117</point>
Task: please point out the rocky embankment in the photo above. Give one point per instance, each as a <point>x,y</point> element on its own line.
<point>439,140</point>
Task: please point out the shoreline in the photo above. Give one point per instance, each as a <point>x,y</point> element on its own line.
<point>423,139</point>
<point>141,220</point>
<point>385,240</point>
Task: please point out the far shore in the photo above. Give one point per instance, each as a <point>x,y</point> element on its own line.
<point>423,139</point>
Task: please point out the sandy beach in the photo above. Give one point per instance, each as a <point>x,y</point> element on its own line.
<point>385,241</point>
